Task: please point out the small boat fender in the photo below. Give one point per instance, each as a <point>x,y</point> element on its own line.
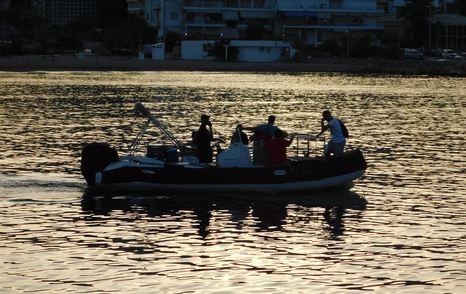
<point>148,172</point>
<point>98,178</point>
<point>279,172</point>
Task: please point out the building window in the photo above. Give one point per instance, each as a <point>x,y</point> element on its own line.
<point>174,16</point>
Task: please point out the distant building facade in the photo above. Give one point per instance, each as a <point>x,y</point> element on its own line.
<point>4,4</point>
<point>312,21</point>
<point>136,7</point>
<point>63,12</point>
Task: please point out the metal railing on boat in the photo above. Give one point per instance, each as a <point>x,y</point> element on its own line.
<point>302,146</point>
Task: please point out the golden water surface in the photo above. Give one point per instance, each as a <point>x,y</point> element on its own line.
<point>401,230</point>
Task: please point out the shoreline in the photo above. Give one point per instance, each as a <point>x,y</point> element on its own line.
<point>327,65</point>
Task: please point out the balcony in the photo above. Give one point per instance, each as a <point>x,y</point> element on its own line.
<point>335,23</point>
<point>333,6</point>
<point>229,4</point>
<point>335,26</point>
<point>135,8</point>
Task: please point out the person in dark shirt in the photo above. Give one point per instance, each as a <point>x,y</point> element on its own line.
<point>239,136</point>
<point>276,148</point>
<point>262,133</point>
<point>204,137</point>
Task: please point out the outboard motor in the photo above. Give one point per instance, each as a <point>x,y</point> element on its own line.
<point>95,157</point>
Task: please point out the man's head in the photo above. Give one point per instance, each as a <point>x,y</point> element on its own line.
<point>271,119</point>
<point>327,115</point>
<point>205,118</point>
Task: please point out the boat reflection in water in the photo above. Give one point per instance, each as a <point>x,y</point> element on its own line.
<point>261,212</point>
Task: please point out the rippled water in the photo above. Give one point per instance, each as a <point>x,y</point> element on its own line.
<point>402,229</point>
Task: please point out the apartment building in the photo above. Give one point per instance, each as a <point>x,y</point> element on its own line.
<point>167,15</point>
<point>4,4</point>
<point>312,21</point>
<point>63,12</point>
<point>228,18</point>
<point>136,7</point>
<point>317,20</point>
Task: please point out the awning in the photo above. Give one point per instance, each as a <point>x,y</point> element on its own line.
<point>299,13</point>
<point>451,19</point>
<point>230,15</point>
<point>257,14</point>
<point>323,15</point>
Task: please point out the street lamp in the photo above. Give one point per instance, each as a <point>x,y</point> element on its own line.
<point>347,43</point>
<point>430,28</point>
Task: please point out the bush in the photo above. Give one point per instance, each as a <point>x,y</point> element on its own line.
<point>392,51</point>
<point>171,40</point>
<point>361,46</point>
<point>331,47</point>
<point>219,52</point>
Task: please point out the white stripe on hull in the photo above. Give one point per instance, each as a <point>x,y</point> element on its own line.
<point>282,187</point>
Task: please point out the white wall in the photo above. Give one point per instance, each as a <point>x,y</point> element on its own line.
<point>259,54</point>
<point>194,50</point>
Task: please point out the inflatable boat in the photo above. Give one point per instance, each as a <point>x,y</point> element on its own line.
<point>172,168</point>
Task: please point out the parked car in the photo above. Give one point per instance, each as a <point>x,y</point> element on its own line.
<point>449,54</point>
<point>412,54</point>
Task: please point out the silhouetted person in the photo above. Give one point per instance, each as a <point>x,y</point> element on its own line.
<point>204,137</point>
<point>239,136</point>
<point>337,143</point>
<point>262,133</point>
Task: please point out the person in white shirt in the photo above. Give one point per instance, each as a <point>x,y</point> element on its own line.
<point>336,145</point>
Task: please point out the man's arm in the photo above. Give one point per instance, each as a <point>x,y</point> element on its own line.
<point>211,131</point>
<point>291,139</point>
<point>323,127</point>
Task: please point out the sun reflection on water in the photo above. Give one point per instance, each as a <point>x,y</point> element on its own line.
<point>401,229</point>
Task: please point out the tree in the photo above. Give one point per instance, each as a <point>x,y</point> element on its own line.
<point>331,47</point>
<point>462,7</point>
<point>218,51</point>
<point>28,21</point>
<point>171,40</point>
<point>112,12</point>
<point>416,17</point>
<point>361,45</point>
<point>78,32</point>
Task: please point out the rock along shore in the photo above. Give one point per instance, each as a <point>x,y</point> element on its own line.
<point>342,65</point>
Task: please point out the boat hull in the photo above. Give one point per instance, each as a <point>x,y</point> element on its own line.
<point>343,181</point>
<point>298,175</point>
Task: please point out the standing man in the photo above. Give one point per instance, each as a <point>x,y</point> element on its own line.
<point>268,129</point>
<point>336,145</point>
<point>205,136</point>
<point>262,133</point>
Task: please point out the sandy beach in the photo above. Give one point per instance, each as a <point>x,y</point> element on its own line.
<point>120,63</point>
